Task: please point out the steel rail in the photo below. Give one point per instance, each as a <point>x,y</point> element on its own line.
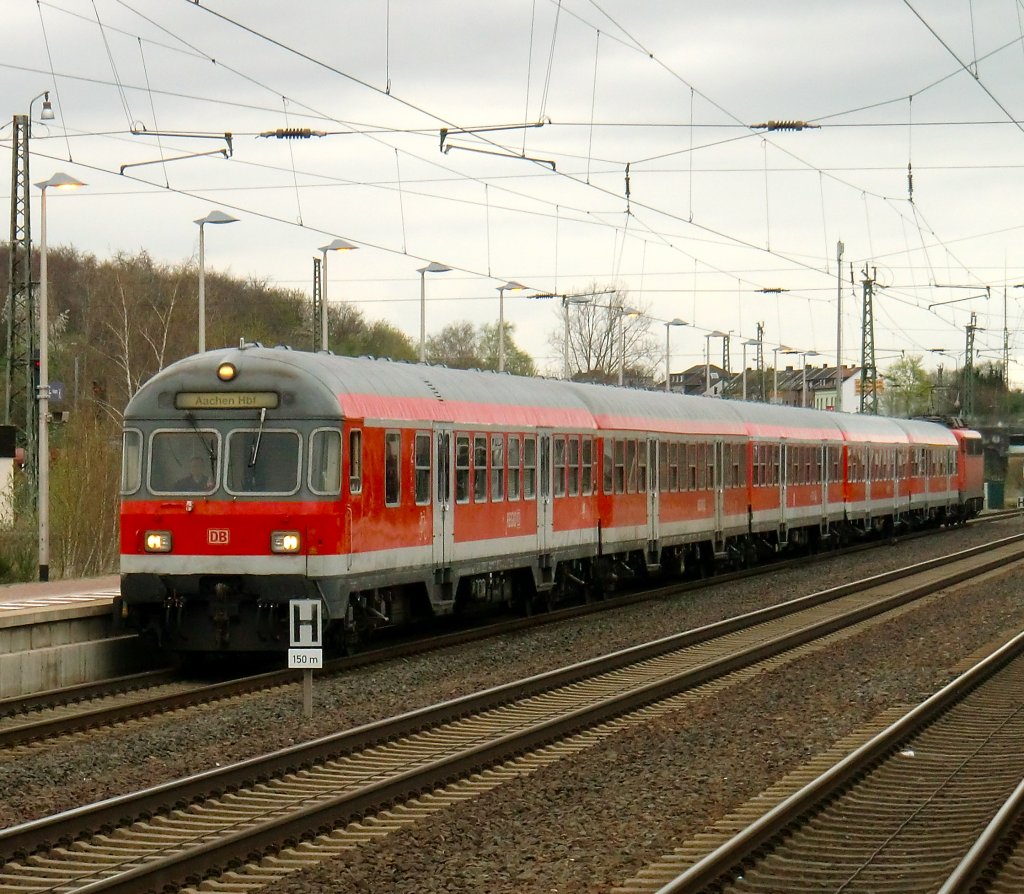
<point>983,852</point>
<point>102,716</point>
<point>68,825</point>
<point>717,865</point>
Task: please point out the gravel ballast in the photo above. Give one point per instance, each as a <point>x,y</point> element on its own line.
<point>590,822</point>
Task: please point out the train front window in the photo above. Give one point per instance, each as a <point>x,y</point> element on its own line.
<point>131,461</point>
<point>263,461</point>
<point>184,462</point>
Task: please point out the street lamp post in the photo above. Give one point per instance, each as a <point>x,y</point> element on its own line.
<point>432,267</point>
<point>804,356</point>
<point>775,369</point>
<point>333,245</point>
<point>511,287</point>
<point>707,358</point>
<point>57,181</point>
<point>623,313</point>
<point>214,217</point>
<point>568,300</point>
<point>668,350</point>
<point>749,341</point>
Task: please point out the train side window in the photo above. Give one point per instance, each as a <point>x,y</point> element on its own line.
<point>392,468</point>
<point>479,468</point>
<point>558,451</point>
<point>355,461</point>
<point>131,461</point>
<point>709,457</point>
<point>574,465</point>
<point>462,469</point>
<point>631,466</point>
<point>588,465</point>
<point>325,461</point>
<point>421,472</point>
<point>497,467</point>
<point>515,462</point>
<point>609,465</point>
<point>620,466</point>
<point>691,466</point>
<point>664,461</point>
<point>529,467</point>
<point>642,449</point>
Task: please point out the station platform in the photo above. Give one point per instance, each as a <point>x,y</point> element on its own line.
<point>61,633</point>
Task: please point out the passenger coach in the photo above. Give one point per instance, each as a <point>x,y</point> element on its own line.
<point>395,492</point>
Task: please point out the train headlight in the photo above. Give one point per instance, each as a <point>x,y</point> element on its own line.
<point>158,541</point>
<point>285,542</point>
<point>226,372</point>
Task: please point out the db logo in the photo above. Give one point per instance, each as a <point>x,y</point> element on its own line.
<point>217,535</point>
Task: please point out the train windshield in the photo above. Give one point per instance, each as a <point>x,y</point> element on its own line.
<point>262,461</point>
<point>184,462</point>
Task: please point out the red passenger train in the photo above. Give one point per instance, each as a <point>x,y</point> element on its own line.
<point>394,492</point>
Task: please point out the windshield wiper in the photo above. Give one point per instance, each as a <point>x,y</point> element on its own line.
<point>255,449</point>
<point>206,445</point>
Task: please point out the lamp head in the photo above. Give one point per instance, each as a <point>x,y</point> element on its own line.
<point>47,113</point>
<point>338,245</point>
<point>61,181</point>
<point>434,267</point>
<point>216,217</point>
<point>677,322</point>
<point>511,286</point>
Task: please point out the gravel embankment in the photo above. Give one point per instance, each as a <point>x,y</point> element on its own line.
<point>585,824</point>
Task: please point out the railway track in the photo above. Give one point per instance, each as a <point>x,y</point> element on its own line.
<point>40,718</point>
<point>181,830</point>
<point>938,786</point>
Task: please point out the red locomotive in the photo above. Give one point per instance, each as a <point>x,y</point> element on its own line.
<point>395,492</point>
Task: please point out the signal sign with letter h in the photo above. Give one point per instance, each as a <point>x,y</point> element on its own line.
<point>305,623</point>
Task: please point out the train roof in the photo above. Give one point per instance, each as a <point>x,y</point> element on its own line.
<point>325,385</point>
<point>330,386</point>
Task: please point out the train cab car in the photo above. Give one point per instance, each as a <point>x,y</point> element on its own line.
<point>389,491</point>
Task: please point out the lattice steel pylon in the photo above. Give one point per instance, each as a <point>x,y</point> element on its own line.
<point>759,363</point>
<point>19,373</point>
<point>318,304</point>
<point>968,386</point>
<point>868,370</point>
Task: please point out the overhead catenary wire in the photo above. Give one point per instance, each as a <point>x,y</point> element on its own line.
<point>488,203</point>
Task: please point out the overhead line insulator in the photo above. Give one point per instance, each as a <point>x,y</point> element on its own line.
<point>783,125</point>
<point>293,133</point>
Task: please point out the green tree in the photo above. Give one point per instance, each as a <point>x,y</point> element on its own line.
<point>908,389</point>
<point>464,346</point>
<point>457,346</point>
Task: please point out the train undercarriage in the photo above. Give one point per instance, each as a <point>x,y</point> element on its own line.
<point>248,614</point>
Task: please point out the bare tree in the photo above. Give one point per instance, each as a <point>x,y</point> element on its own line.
<point>604,335</point>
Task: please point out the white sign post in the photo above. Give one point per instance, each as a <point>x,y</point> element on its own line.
<point>306,640</point>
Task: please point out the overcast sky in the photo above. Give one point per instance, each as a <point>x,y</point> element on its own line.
<point>717,210</point>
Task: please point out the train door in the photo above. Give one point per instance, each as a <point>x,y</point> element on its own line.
<point>783,485</point>
<point>823,471</point>
<point>653,502</point>
<point>444,538</point>
<point>544,508</point>
<point>716,479</point>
